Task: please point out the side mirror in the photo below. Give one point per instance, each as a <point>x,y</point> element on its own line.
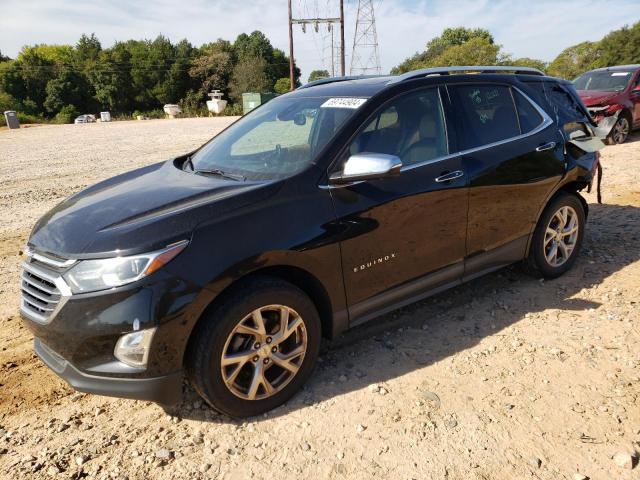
<point>636,90</point>
<point>367,166</point>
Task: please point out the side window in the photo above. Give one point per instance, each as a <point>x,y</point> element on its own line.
<point>487,115</point>
<point>411,127</point>
<point>528,116</point>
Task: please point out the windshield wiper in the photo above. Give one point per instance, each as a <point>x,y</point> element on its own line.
<point>220,173</point>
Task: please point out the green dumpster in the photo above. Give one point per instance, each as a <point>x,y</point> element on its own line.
<point>252,100</point>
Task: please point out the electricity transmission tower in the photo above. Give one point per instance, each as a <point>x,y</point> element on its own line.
<point>365,57</point>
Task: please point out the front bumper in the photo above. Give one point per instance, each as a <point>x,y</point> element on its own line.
<point>165,390</point>
<point>605,124</point>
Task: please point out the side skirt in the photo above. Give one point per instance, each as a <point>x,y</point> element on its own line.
<point>406,294</point>
<point>436,282</point>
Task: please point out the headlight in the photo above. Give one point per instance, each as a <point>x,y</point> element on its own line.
<point>92,275</point>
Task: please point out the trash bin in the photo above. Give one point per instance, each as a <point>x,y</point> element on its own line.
<point>105,116</point>
<point>12,119</point>
<point>252,100</point>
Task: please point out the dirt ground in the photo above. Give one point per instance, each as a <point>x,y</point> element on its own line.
<point>506,377</point>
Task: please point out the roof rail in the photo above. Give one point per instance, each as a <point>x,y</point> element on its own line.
<point>323,81</point>
<point>479,69</point>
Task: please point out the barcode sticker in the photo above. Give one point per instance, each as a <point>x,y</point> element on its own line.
<point>343,103</point>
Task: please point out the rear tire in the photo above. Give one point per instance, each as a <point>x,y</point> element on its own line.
<point>267,333</point>
<point>557,238</point>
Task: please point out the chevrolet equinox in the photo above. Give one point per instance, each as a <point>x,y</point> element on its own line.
<point>316,212</point>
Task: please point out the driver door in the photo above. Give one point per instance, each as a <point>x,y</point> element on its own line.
<point>404,234</point>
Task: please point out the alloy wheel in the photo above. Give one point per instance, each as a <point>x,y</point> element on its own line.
<point>264,352</point>
<point>621,130</point>
<point>561,236</point>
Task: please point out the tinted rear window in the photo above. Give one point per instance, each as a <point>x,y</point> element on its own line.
<point>486,114</point>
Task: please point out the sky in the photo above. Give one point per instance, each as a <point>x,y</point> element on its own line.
<point>525,28</point>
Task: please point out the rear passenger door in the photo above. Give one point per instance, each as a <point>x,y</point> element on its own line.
<point>513,157</point>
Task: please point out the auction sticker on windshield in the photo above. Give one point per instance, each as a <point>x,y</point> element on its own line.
<point>343,102</point>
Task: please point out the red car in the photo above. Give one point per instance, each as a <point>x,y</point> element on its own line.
<point>612,96</point>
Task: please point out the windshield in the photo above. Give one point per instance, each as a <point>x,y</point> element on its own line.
<point>606,81</point>
<point>276,140</point>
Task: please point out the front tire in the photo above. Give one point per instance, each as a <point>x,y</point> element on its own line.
<point>255,348</point>
<point>557,238</point>
<point>620,131</point>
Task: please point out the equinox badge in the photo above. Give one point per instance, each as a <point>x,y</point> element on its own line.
<point>374,262</point>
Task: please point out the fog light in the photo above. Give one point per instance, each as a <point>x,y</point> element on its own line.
<point>133,348</point>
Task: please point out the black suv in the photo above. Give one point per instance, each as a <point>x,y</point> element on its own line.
<point>318,211</point>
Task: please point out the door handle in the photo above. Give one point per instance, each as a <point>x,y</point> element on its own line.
<point>447,177</point>
<point>546,146</point>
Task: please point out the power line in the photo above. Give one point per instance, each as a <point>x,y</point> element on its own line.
<point>315,22</point>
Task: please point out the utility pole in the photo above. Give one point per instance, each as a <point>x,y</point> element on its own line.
<point>291,62</point>
<point>365,58</point>
<point>333,56</point>
<point>342,67</point>
<point>316,23</point>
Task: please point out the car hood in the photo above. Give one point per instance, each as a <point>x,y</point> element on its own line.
<point>141,210</point>
<point>593,97</point>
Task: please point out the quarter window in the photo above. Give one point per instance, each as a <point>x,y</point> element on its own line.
<point>487,115</point>
<point>411,127</point>
<point>528,116</point>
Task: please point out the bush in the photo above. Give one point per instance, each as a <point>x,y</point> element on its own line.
<point>283,85</point>
<point>66,114</point>
<point>24,119</point>
<point>233,110</point>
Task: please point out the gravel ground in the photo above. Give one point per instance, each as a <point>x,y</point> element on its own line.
<point>504,377</point>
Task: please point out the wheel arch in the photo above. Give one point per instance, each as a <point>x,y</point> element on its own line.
<point>331,323</point>
<point>572,188</point>
<point>626,112</point>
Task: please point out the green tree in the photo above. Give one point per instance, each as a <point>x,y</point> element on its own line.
<point>283,85</point>
<point>477,51</point>
<point>318,74</point>
<point>620,47</point>
<point>249,76</point>
<point>4,58</point>
<point>68,88</point>
<point>256,44</point>
<point>178,80</point>
<point>87,49</point>
<point>32,73</point>
<point>575,60</point>
<point>525,62</point>
<point>7,102</point>
<point>111,79</point>
<point>450,37</point>
<point>212,66</point>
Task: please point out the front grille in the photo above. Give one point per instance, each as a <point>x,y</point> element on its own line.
<point>43,289</point>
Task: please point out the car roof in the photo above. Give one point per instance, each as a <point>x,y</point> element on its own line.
<point>344,87</point>
<point>367,86</point>
<point>617,67</point>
